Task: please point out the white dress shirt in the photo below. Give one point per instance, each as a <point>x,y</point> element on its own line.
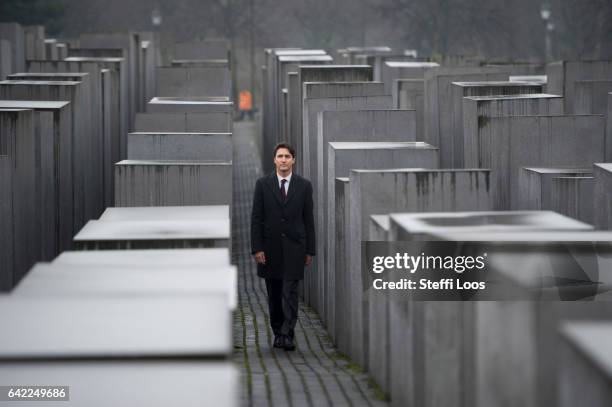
<point>288,178</point>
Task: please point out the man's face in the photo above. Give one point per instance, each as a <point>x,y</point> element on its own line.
<point>283,160</point>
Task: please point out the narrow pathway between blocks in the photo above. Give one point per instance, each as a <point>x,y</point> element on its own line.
<point>315,374</point>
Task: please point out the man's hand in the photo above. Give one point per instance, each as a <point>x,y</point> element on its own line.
<point>308,260</point>
<point>260,258</point>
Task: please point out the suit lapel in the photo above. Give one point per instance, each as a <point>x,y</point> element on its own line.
<point>273,185</point>
<point>293,185</point>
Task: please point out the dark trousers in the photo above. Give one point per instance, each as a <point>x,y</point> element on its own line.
<point>283,305</point>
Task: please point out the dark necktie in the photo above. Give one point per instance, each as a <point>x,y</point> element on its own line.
<point>283,190</point>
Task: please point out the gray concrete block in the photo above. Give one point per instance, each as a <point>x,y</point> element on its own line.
<point>6,59</point>
<point>340,332</point>
<point>478,110</point>
<point>172,183</point>
<point>60,280</point>
<point>488,337</point>
<point>180,146</point>
<point>7,238</point>
<point>393,70</point>
<point>562,76</point>
<point>51,52</point>
<point>19,201</point>
<point>507,144</point>
<point>14,33</point>
<point>409,94</point>
<point>609,129</point>
<point>438,102</point>
<point>200,63</point>
<point>340,158</point>
<point>425,226</point>
<point>534,79</point>
<point>585,373</point>
<point>86,186</point>
<point>602,195</point>
<point>535,185</point>
<point>34,42</point>
<point>167,213</point>
<point>155,234</point>
<point>117,326</point>
<point>218,257</point>
<point>459,90</point>
<point>183,122</point>
<point>592,96</point>
<point>130,382</point>
<point>411,190</point>
<point>573,197</point>
<point>369,100</point>
<point>54,172</point>
<point>193,81</point>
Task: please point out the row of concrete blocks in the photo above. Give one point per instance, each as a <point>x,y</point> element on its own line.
<point>19,44</point>
<point>157,314</point>
<point>181,155</point>
<point>459,353</point>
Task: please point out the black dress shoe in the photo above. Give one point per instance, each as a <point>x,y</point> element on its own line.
<point>278,341</point>
<point>288,343</point>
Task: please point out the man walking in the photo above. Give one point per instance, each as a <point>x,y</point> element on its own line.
<point>283,240</point>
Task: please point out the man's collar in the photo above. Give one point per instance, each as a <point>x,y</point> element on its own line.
<point>288,177</point>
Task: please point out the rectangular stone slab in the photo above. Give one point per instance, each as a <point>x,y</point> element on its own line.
<point>602,196</point>
<point>126,383</point>
<point>409,94</point>
<point>218,257</point>
<point>393,70</point>
<point>180,146</point>
<point>411,190</point>
<point>459,90</point>
<point>342,157</point>
<point>60,280</point>
<point>183,123</point>
<point>573,197</point>
<point>19,203</point>
<point>341,330</point>
<point>172,183</point>
<point>592,96</point>
<point>535,185</point>
<point>154,234</point>
<point>508,144</point>
<point>210,104</point>
<point>477,110</point>
<point>193,81</point>
<point>586,363</point>
<point>118,326</point>
<point>167,213</point>
<point>57,204</point>
<point>85,203</point>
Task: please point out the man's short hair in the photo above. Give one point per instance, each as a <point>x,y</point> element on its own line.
<point>284,145</point>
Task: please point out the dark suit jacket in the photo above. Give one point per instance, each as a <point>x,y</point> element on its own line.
<point>284,231</point>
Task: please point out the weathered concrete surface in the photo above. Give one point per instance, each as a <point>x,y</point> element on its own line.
<point>118,326</point>
<point>321,97</point>
<point>56,199</point>
<point>459,90</point>
<point>535,185</point>
<point>341,331</point>
<point>34,42</point>
<point>609,129</point>
<point>167,213</point>
<point>562,76</point>
<point>87,186</point>
<point>180,146</point>
<point>478,110</point>
<point>158,234</point>
<point>409,94</point>
<point>19,200</point>
<point>383,191</point>
<point>6,59</point>
<point>592,96</point>
<point>183,122</point>
<point>573,197</point>
<point>340,158</point>
<point>55,280</point>
<point>14,33</point>
<point>585,371</point>
<point>172,183</point>
<point>394,70</point>
<point>194,81</point>
<point>508,144</point>
<point>129,383</point>
<point>602,196</point>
